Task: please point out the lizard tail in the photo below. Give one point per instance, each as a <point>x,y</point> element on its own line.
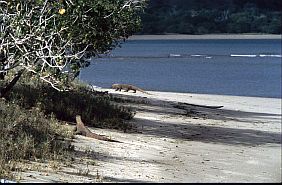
<point>103,138</point>
<point>141,90</point>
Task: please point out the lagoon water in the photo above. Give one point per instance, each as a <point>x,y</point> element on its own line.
<point>244,67</point>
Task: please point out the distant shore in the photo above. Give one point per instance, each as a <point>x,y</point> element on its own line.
<point>208,36</point>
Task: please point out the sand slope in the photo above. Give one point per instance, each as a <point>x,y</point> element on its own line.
<point>240,142</point>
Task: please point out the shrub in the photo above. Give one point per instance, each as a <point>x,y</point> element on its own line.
<point>29,134</point>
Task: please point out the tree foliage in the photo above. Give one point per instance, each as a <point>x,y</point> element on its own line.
<point>53,38</point>
<point>206,16</point>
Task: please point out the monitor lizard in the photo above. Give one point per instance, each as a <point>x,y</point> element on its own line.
<point>80,129</point>
<point>128,87</point>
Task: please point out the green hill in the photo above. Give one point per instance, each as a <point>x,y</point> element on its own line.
<point>207,16</point>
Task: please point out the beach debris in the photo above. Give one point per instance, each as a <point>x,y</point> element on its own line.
<point>204,106</point>
<point>188,111</point>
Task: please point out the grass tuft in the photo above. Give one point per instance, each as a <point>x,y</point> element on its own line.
<point>95,109</point>
<point>29,135</point>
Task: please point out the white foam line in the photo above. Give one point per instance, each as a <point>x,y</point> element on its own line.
<point>197,55</point>
<point>279,56</point>
<point>234,55</point>
<point>174,55</point>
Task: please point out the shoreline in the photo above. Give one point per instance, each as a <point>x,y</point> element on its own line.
<point>207,36</point>
<point>233,102</point>
<point>198,94</point>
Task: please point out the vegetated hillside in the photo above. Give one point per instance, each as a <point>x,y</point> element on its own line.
<point>212,16</point>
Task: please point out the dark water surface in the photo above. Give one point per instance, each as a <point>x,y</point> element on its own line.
<point>224,67</point>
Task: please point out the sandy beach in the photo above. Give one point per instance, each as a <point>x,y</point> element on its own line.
<point>175,141</point>
<point>207,36</point>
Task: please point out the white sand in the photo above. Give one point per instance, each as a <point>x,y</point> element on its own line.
<point>240,142</point>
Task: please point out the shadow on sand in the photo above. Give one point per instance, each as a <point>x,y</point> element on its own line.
<point>206,133</point>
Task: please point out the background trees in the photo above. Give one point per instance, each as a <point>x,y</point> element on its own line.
<point>205,16</point>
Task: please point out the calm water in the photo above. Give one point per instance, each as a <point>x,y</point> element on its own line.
<point>225,67</point>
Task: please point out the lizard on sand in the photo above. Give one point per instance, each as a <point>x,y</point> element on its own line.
<point>82,130</point>
<point>128,87</point>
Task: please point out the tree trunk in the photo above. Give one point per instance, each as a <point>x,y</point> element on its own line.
<point>3,58</point>
<point>2,75</point>
<point>4,92</point>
